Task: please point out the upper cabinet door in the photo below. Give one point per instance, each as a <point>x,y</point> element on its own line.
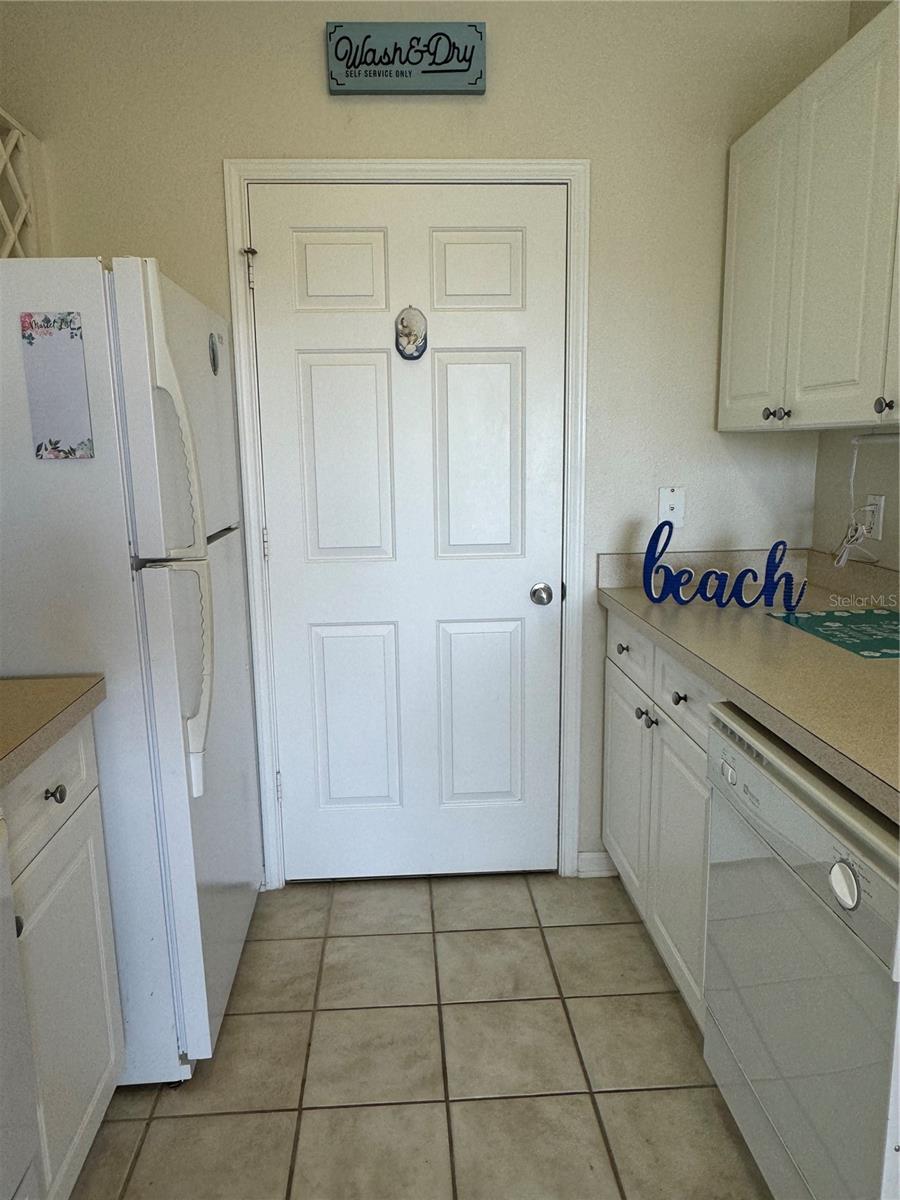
<point>844,232</point>
<point>890,409</point>
<point>761,190</point>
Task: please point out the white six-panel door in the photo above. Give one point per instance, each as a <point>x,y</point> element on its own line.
<point>411,507</point>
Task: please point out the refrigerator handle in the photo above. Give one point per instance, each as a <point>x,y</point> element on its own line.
<point>197,724</point>
<point>167,382</point>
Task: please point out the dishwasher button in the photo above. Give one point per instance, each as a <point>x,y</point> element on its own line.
<point>728,772</point>
<point>844,884</point>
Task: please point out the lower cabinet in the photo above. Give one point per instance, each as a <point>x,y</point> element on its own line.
<point>69,969</point>
<point>677,860</point>
<point>627,747</point>
<point>655,805</point>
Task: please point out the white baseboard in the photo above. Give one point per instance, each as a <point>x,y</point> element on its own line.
<point>595,864</point>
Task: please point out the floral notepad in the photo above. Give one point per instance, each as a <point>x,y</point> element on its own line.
<point>56,382</point>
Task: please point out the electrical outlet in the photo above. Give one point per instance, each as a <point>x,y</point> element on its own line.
<point>671,505</point>
<point>875,518</point>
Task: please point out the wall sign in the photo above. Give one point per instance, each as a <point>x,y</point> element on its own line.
<point>717,586</point>
<point>366,57</point>
<point>56,383</point>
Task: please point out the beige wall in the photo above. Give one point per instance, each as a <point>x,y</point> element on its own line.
<point>877,474</point>
<point>862,12</point>
<point>139,103</point>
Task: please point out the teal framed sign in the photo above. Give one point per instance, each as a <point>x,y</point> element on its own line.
<point>368,57</point>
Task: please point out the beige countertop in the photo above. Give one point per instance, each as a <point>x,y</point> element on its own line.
<point>840,710</point>
<point>35,712</point>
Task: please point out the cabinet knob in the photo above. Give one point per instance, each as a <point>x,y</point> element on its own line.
<point>649,721</point>
<point>781,413</point>
<point>57,794</point>
<point>767,413</point>
<point>678,698</point>
<point>881,405</point>
<point>621,648</point>
<point>640,713</point>
<point>20,925</point>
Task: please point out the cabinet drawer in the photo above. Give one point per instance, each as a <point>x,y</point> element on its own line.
<point>630,651</point>
<point>694,696</point>
<point>32,817</point>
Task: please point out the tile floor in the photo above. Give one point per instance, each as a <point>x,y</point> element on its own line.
<point>485,1038</point>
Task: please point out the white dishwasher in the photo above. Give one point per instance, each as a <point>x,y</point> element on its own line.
<point>801,1007</point>
<point>18,1106</point>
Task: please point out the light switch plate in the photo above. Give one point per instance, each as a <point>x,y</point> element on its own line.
<point>671,505</point>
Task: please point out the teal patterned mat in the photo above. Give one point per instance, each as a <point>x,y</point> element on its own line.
<point>870,632</point>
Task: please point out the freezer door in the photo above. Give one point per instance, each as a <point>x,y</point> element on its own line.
<point>177,605</point>
<point>162,460</point>
<point>199,344</point>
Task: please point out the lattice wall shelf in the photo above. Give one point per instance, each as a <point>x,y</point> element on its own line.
<point>18,220</point>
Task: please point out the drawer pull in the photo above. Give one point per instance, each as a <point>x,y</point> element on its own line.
<point>20,925</point>
<point>57,794</point>
<point>621,648</point>
<point>679,698</point>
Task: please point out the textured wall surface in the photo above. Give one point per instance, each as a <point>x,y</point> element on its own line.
<point>138,105</point>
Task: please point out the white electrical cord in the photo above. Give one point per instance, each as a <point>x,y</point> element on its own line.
<point>858,527</point>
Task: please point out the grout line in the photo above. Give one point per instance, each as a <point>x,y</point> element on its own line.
<point>440,1010</point>
<point>248,1112</point>
<point>263,1012</point>
<point>587,1079</point>
<point>311,937</point>
<point>126,1182</point>
<point>309,1041</point>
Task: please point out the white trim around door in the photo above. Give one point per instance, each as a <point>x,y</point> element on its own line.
<point>575,174</point>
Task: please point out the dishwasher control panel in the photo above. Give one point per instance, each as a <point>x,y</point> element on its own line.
<point>808,836</point>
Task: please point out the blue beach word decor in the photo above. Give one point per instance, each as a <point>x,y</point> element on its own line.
<point>366,57</point>
<point>717,586</point>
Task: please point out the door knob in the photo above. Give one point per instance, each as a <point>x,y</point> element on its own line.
<point>541,593</point>
<point>881,405</point>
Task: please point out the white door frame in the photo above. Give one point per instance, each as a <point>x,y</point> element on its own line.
<point>575,175</point>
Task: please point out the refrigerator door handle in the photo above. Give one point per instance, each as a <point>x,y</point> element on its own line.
<point>197,724</point>
<point>167,382</point>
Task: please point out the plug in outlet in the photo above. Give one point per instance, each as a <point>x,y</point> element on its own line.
<point>874,520</point>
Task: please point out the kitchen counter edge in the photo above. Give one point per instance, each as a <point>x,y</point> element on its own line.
<point>52,719</point>
<point>874,790</point>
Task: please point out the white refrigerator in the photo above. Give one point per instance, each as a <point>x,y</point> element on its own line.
<point>131,562</point>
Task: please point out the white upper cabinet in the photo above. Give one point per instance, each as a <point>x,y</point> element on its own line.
<point>762,181</point>
<point>844,232</point>
<point>812,217</point>
<point>890,398</point>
